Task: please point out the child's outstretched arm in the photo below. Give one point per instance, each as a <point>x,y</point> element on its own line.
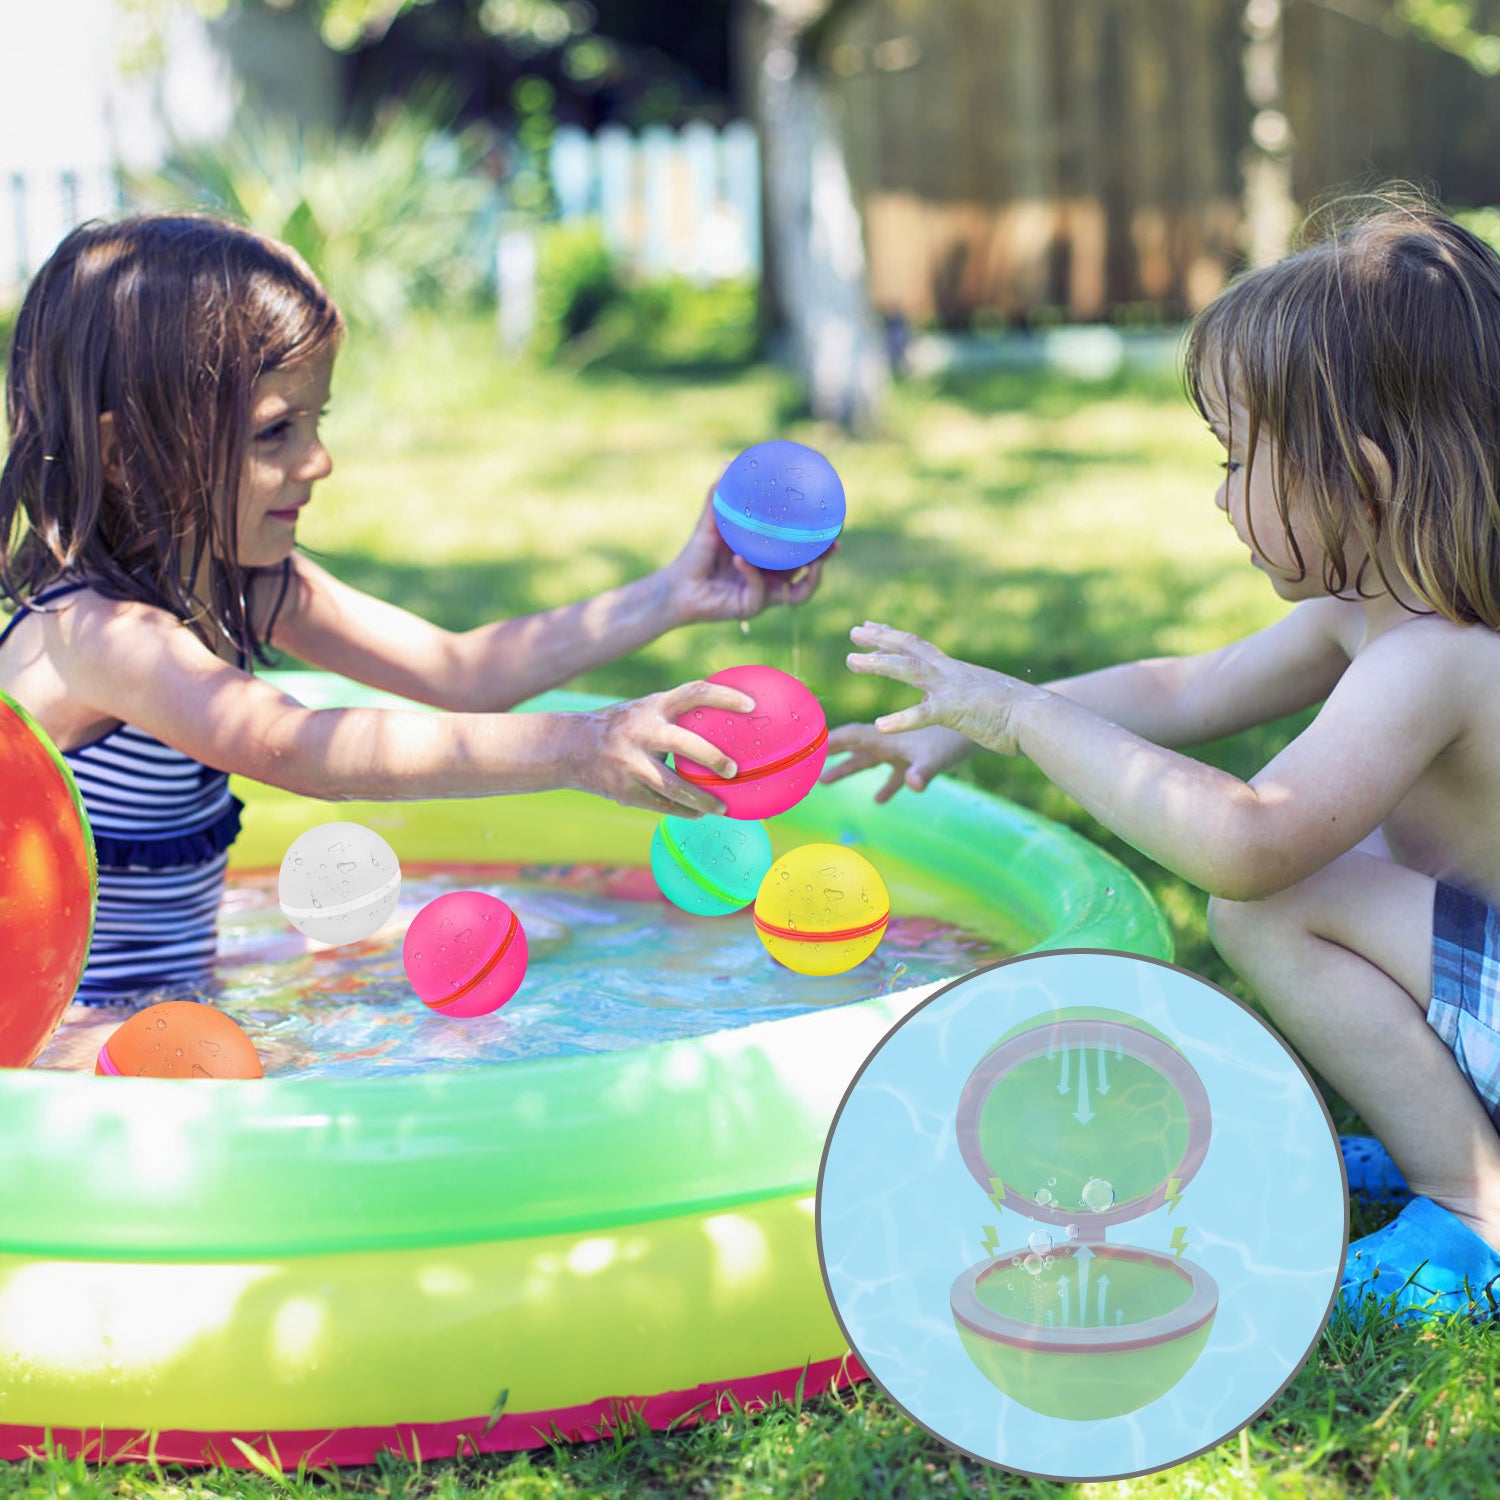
<point>329,624</point>
<point>136,663</point>
<point>1393,710</point>
<point>1174,701</point>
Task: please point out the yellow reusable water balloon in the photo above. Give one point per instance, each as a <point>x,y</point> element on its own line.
<point>822,909</point>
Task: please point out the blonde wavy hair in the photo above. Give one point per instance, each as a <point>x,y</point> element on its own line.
<point>1386,328</point>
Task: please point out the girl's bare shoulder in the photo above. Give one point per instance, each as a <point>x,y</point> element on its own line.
<point>55,653</point>
<point>33,670</point>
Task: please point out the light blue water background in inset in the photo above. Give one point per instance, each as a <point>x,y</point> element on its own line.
<point>900,1217</point>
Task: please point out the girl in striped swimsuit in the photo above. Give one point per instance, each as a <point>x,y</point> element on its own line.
<point>164,392</point>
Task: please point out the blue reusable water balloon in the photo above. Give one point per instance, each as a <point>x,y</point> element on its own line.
<point>779,505</point>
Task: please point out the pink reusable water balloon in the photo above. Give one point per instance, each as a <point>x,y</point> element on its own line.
<point>465,953</point>
<point>779,747</point>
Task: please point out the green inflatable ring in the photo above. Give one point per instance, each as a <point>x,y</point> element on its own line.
<point>322,1268</point>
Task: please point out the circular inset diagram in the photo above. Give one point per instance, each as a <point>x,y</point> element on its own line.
<point>1151,1186</point>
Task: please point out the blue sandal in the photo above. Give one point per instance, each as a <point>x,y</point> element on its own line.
<point>1424,1264</point>
<point>1371,1172</point>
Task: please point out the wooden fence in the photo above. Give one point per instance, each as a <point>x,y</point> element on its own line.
<point>1083,158</point>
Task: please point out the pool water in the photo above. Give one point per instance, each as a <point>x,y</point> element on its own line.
<point>612,965</point>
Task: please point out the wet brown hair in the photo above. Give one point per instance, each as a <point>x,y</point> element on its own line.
<point>1387,328</point>
<point>166,321</point>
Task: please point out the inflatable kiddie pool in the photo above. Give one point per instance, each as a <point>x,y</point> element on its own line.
<point>456,1261</point>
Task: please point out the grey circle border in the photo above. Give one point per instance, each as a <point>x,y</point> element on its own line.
<point>823,1167</point>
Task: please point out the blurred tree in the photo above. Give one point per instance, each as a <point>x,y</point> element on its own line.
<point>816,253</point>
<point>594,50</point>
<point>1270,211</point>
<point>1468,28</point>
<point>606,61</point>
<point>631,62</point>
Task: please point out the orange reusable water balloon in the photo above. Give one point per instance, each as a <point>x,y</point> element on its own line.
<point>179,1039</point>
<point>48,885</point>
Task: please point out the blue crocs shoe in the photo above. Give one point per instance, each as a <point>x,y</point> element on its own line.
<point>1371,1172</point>
<point>1424,1264</point>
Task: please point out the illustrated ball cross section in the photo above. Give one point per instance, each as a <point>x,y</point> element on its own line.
<point>1080,1121</point>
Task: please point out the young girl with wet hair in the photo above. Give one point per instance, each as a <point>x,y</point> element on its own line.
<point>1354,883</point>
<point>165,385</point>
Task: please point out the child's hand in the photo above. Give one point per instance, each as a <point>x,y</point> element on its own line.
<point>916,756</point>
<point>708,581</point>
<point>978,703</point>
<point>623,753</point>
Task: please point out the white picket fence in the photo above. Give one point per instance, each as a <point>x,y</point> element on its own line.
<point>685,203</point>
<point>38,207</point>
<point>669,202</point>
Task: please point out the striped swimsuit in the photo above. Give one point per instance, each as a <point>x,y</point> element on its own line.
<point>163,824</point>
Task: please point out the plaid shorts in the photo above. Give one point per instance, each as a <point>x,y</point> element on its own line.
<point>1465,1005</point>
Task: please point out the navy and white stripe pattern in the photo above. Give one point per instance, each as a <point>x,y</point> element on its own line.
<point>163,824</point>
<point>160,823</point>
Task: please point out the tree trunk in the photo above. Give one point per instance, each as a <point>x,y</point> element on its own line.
<point>1270,209</point>
<point>816,254</point>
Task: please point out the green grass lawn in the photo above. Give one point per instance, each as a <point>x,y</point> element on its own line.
<point>1025,522</point>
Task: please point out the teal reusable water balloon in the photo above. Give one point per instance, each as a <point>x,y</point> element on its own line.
<point>710,866</point>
